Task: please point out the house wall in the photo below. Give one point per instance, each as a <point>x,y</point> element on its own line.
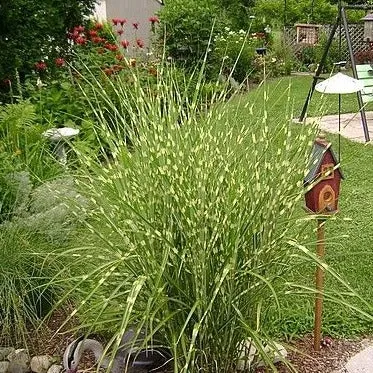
<point>133,11</point>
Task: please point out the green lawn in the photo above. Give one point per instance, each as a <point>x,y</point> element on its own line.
<point>349,236</point>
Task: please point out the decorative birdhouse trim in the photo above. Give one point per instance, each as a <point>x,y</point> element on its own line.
<point>322,181</point>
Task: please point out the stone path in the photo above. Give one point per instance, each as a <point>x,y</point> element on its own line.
<point>361,362</point>
<point>351,126</point>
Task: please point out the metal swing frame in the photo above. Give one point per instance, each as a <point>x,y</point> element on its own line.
<point>341,21</point>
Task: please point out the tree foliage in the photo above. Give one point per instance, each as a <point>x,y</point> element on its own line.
<point>31,31</point>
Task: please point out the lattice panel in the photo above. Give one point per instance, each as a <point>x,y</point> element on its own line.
<point>356,33</point>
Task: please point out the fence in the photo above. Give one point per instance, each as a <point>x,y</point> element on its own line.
<point>356,32</point>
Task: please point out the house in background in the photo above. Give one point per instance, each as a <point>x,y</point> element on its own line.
<point>134,11</point>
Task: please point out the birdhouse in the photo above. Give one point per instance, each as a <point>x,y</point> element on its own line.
<point>307,33</point>
<point>368,27</point>
<point>323,180</point>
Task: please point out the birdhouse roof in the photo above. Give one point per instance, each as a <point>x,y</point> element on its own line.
<point>320,148</point>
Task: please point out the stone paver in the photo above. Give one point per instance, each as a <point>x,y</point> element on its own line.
<point>351,126</point>
<point>361,362</point>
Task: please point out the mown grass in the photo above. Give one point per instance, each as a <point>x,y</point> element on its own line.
<point>349,248</point>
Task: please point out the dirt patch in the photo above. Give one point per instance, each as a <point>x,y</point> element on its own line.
<point>331,359</point>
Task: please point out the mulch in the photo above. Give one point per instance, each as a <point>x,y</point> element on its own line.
<point>303,358</point>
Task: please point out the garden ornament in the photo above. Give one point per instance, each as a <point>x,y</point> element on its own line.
<point>127,358</point>
<point>59,137</point>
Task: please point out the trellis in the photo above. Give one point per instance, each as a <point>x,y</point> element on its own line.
<point>356,31</point>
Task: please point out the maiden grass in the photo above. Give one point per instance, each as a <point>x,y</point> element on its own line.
<point>188,229</point>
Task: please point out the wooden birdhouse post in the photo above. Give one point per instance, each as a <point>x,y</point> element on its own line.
<point>322,185</point>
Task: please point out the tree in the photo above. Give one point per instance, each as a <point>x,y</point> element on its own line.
<point>313,11</point>
<point>32,31</point>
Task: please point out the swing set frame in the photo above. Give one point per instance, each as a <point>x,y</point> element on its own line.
<point>341,21</point>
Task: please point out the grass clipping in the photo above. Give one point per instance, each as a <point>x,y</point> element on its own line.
<point>188,225</point>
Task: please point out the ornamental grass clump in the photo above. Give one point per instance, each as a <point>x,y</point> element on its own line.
<point>188,226</point>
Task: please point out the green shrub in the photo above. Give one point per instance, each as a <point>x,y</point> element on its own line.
<point>187,27</point>
<point>233,54</point>
<point>188,231</point>
<point>35,31</point>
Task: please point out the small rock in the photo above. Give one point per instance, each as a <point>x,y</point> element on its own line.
<point>41,364</point>
<point>4,366</point>
<point>19,356</point>
<point>276,351</point>
<point>5,351</point>
<point>19,361</point>
<point>15,367</point>
<point>55,369</point>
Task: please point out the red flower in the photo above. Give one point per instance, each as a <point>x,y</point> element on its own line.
<point>40,66</point>
<point>135,25</point>
<point>120,32</point>
<point>108,71</point>
<point>152,71</point>
<point>125,43</point>
<point>92,33</point>
<point>79,28</point>
<point>111,47</point>
<point>98,26</point>
<point>140,43</point>
<point>81,40</point>
<point>59,62</point>
<point>119,57</point>
<point>153,20</point>
<point>97,40</point>
<point>122,21</point>
<point>117,68</point>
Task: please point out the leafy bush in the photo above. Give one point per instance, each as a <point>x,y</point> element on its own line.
<point>35,31</point>
<point>233,53</point>
<point>187,27</point>
<point>189,229</point>
<point>364,57</point>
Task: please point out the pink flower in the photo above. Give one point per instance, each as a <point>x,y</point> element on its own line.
<point>140,43</point>
<point>111,47</point>
<point>153,20</point>
<point>40,66</point>
<point>59,62</point>
<point>115,21</point>
<point>122,21</point>
<point>81,40</point>
<point>92,33</point>
<point>125,43</point>
<point>108,71</point>
<point>97,40</point>
<point>79,28</point>
<point>135,25</point>
<point>120,32</point>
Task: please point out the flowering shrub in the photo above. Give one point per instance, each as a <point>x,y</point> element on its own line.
<point>363,57</point>
<point>234,51</point>
<point>33,31</point>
